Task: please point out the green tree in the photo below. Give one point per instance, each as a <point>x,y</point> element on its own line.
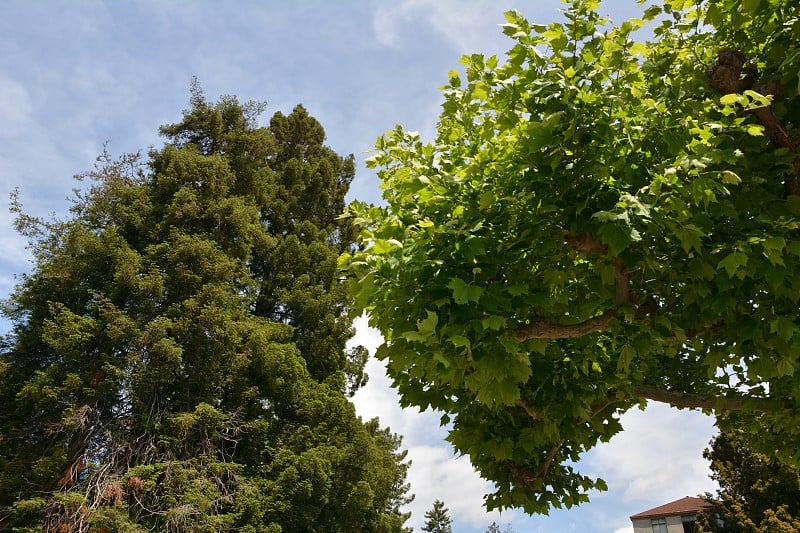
<point>495,528</point>
<point>758,493</point>
<point>177,360</point>
<point>437,520</point>
<point>598,222</point>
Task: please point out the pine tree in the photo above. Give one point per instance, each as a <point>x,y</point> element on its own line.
<point>495,528</point>
<point>177,360</point>
<point>438,519</point>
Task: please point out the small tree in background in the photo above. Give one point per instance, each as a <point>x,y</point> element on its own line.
<point>437,520</point>
<point>495,528</point>
<point>758,494</point>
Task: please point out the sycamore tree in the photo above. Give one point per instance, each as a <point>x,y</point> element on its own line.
<point>177,360</point>
<point>599,221</point>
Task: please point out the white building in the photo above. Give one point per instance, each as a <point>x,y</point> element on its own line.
<point>673,517</point>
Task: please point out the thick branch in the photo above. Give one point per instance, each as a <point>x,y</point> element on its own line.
<point>585,243</point>
<point>534,416</point>
<point>528,478</point>
<point>732,75</point>
<point>684,400</point>
<point>622,280</point>
<point>544,329</point>
<point>539,328</point>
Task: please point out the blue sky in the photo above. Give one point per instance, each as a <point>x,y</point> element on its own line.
<point>75,74</point>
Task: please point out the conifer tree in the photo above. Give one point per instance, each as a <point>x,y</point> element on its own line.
<point>177,360</point>
<point>757,494</point>
<point>438,519</point>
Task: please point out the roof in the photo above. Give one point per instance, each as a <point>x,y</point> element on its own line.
<point>686,505</point>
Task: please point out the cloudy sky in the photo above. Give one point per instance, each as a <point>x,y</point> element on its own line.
<point>77,74</point>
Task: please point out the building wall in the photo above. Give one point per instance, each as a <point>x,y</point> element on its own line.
<point>642,525</point>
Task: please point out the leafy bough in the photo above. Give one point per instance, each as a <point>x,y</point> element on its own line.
<point>598,222</point>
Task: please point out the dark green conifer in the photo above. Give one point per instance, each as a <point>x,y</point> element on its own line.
<point>177,360</point>
<point>757,494</point>
<point>438,520</point>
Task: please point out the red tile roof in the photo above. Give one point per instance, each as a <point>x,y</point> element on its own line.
<point>686,505</point>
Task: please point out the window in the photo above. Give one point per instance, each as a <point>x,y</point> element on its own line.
<point>659,525</point>
<point>688,523</point>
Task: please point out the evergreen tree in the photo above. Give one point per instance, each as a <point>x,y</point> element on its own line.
<point>758,493</point>
<point>495,528</point>
<point>177,360</point>
<point>437,520</point>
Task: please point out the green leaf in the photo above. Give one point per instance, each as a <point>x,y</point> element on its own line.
<point>755,130</point>
<point>617,236</point>
<point>690,236</point>
<point>732,263</point>
<point>463,292</point>
<point>639,49</point>
<point>626,355</point>
<point>493,322</point>
<point>460,340</point>
<point>428,325</point>
<point>730,99</point>
<point>730,178</point>
<point>381,246</point>
<point>785,367</point>
<point>749,6</point>
<point>455,78</point>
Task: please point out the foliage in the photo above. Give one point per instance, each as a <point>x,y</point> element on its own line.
<point>178,362</point>
<point>495,528</point>
<point>758,493</point>
<point>437,520</point>
<point>598,221</point>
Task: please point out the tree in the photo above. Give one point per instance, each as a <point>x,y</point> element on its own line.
<point>437,520</point>
<point>598,222</point>
<point>758,493</point>
<point>495,528</point>
<point>177,360</point>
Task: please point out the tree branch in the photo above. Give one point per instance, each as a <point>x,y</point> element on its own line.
<point>544,329</point>
<point>539,328</point>
<point>684,400</point>
<point>528,477</point>
<point>733,75</point>
<point>534,416</point>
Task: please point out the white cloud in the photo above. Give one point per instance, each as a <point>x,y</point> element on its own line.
<point>656,459</point>
<point>462,24</point>
<point>435,472</point>
<point>658,456</point>
<point>15,105</point>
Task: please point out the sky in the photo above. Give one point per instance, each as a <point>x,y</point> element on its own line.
<point>77,75</point>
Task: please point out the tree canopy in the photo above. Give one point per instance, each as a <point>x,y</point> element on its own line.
<point>600,220</point>
<point>757,494</point>
<point>438,520</point>
<point>177,360</point>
